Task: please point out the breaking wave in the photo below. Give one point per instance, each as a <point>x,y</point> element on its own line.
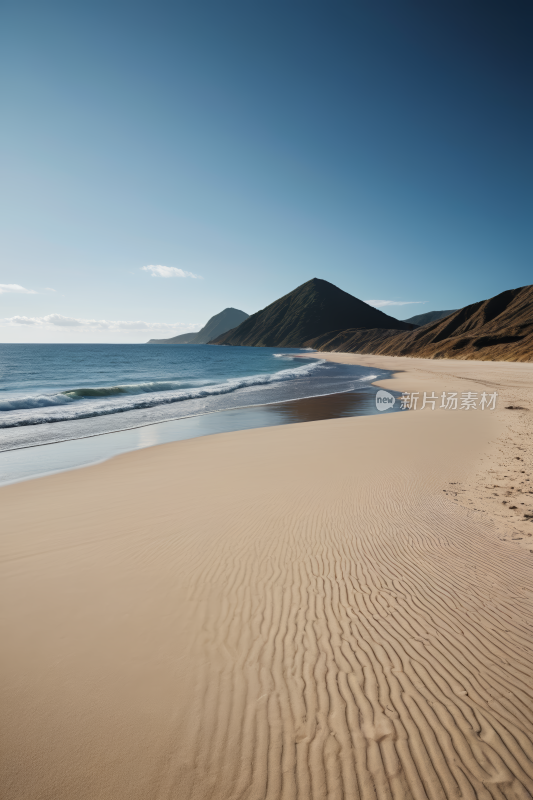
<point>88,402</point>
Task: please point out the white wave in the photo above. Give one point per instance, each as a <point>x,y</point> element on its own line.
<point>35,401</point>
<point>86,393</point>
<point>95,405</point>
<point>132,388</point>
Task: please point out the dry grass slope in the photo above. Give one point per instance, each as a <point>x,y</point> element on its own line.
<point>499,329</point>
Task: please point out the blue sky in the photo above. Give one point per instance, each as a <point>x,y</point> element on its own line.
<point>385,147</point>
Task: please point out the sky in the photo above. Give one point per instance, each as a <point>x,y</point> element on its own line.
<point>164,160</point>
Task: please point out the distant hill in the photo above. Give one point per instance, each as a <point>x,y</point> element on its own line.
<point>429,316</point>
<point>183,338</point>
<point>220,323</point>
<point>309,311</point>
<point>216,326</point>
<point>499,329</point>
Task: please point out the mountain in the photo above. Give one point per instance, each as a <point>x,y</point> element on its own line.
<point>310,310</point>
<point>219,324</point>
<point>216,326</point>
<point>498,329</point>
<point>429,316</point>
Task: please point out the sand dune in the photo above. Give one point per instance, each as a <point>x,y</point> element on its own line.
<point>309,611</point>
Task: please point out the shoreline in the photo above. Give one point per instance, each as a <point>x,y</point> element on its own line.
<point>173,419</point>
<point>168,408</point>
<point>128,439</point>
<point>308,611</point>
<point>113,443</point>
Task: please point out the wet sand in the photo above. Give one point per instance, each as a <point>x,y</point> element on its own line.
<point>30,462</point>
<point>328,610</point>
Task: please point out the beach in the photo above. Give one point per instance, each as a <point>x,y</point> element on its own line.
<point>335,609</point>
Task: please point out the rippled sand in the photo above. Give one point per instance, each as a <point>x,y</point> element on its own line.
<point>327,610</point>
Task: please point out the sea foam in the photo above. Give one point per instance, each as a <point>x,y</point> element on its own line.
<point>96,401</point>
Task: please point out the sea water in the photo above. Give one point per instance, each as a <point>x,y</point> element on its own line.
<point>51,393</point>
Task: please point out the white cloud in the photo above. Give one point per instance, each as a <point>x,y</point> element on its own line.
<point>381,303</point>
<point>158,271</point>
<point>59,319</point>
<point>20,320</point>
<point>7,288</point>
<point>51,321</point>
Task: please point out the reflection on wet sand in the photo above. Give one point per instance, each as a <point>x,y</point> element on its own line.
<point>329,406</point>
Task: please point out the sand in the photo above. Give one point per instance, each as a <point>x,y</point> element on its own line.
<point>335,609</point>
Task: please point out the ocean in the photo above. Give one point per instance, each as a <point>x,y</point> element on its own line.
<point>59,393</point>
